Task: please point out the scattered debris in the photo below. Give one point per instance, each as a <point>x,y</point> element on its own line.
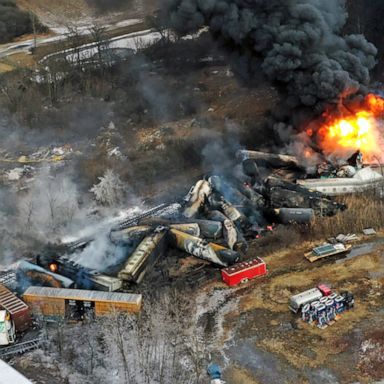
<point>369,232</point>
<point>42,155</point>
<point>348,238</point>
<point>352,177</point>
<point>212,223</point>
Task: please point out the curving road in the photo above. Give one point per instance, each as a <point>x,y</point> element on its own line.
<point>60,34</point>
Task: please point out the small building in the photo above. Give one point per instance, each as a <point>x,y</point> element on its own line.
<point>242,272</point>
<point>78,304</point>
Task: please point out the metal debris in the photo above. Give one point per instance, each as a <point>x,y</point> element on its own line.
<point>369,232</point>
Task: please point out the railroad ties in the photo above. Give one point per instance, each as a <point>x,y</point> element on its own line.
<point>20,348</point>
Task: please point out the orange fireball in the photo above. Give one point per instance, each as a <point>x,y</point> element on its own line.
<point>357,130</point>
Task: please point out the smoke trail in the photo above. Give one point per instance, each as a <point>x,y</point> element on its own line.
<point>300,44</point>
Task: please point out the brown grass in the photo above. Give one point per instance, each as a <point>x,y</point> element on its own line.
<point>5,68</point>
<point>363,211</point>
<point>239,376</point>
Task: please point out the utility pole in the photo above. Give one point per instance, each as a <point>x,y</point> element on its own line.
<point>34,30</point>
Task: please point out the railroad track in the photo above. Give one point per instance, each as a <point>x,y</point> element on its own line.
<point>8,278</point>
<point>165,208</point>
<point>20,348</point>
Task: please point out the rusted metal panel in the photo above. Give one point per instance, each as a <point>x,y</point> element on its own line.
<point>45,306</point>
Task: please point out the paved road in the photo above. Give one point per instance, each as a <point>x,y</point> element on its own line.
<point>60,34</point>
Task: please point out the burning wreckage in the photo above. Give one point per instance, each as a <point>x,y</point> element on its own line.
<point>220,213</point>
<point>212,222</point>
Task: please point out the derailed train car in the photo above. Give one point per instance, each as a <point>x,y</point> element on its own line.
<point>81,277</point>
<point>144,256</point>
<point>76,304</point>
<point>202,249</point>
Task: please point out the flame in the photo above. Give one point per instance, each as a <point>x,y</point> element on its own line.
<point>357,130</point>
<point>307,153</point>
<point>53,267</point>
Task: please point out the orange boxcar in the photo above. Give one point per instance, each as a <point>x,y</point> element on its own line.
<point>78,304</point>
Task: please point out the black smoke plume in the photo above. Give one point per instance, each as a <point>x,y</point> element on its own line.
<point>298,44</point>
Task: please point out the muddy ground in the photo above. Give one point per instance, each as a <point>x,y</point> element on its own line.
<point>268,344</point>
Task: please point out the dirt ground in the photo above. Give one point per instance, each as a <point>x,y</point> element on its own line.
<point>57,12</point>
<point>271,345</point>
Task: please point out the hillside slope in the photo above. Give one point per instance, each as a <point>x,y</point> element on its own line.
<point>57,13</point>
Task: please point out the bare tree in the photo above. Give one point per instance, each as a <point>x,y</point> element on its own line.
<point>160,345</point>
<point>75,40</point>
<point>110,189</point>
<point>101,41</point>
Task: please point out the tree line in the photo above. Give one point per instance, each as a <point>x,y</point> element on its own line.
<point>15,22</point>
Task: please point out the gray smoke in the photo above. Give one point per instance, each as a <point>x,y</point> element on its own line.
<point>299,43</point>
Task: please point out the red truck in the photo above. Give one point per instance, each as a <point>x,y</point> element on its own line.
<point>244,271</point>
